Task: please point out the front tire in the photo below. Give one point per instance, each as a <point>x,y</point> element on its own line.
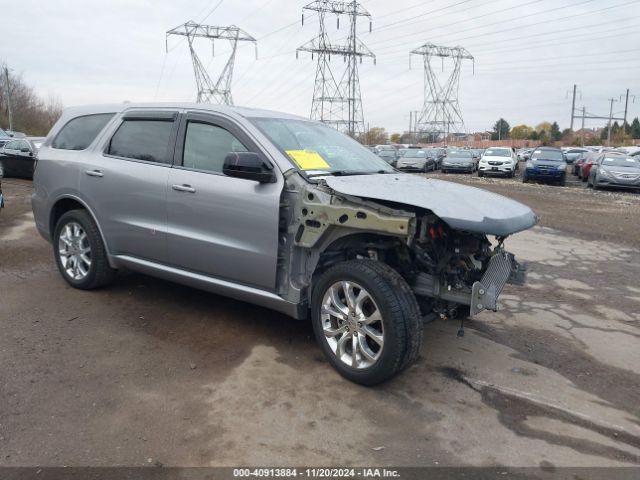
<point>80,253</point>
<point>366,320</point>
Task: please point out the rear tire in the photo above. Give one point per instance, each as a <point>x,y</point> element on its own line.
<point>382,320</point>
<point>80,253</point>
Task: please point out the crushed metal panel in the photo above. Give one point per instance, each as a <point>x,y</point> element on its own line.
<point>462,207</point>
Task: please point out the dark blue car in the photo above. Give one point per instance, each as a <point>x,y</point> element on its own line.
<point>546,164</point>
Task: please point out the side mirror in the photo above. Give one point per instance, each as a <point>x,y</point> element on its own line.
<point>248,165</point>
<point>25,150</point>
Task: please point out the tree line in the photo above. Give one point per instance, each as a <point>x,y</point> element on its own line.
<point>31,114</point>
<point>547,132</point>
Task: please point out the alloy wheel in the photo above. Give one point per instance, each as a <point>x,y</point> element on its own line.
<point>352,324</point>
<point>74,251</point>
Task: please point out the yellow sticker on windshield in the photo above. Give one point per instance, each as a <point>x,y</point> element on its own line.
<point>308,160</point>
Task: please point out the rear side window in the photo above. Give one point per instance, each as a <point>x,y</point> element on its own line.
<point>146,140</point>
<point>78,133</point>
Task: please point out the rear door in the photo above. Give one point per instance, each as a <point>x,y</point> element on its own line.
<point>217,225</point>
<point>125,183</point>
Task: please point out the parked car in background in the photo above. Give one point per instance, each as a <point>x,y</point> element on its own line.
<point>275,210</point>
<point>615,170</point>
<point>402,151</point>
<point>36,141</point>
<point>4,138</point>
<point>575,168</point>
<point>416,161</point>
<point>587,164</point>
<point>546,164</point>
<point>498,161</point>
<point>524,154</point>
<point>459,161</point>
<point>389,156</point>
<point>18,158</point>
<point>572,154</point>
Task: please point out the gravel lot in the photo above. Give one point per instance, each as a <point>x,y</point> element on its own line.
<point>148,372</point>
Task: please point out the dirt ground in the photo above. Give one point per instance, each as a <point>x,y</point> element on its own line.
<point>148,372</point>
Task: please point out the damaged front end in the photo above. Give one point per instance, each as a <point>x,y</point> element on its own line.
<point>461,274</point>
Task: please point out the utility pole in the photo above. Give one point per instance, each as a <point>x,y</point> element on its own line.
<point>208,91</point>
<point>440,113</point>
<point>573,106</point>
<point>610,118</point>
<point>9,109</point>
<point>584,112</point>
<point>336,98</point>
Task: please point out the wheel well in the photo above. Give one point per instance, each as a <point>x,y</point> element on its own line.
<point>61,207</point>
<point>387,249</point>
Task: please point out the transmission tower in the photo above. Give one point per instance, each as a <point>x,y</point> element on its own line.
<point>336,99</point>
<point>208,91</point>
<point>440,113</point>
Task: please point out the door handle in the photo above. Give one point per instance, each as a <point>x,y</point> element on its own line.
<point>184,188</point>
<point>94,173</point>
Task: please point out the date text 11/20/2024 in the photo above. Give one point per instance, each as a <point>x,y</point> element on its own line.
<point>316,473</point>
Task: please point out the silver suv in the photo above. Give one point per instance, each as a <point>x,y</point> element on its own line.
<point>275,210</point>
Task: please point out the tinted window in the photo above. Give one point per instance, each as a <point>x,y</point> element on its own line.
<point>142,140</point>
<point>498,152</point>
<point>78,133</point>
<point>13,145</point>
<point>206,146</point>
<point>555,155</point>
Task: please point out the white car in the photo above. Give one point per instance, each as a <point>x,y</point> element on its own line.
<point>498,161</point>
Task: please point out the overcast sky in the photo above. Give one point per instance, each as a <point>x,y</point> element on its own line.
<point>528,54</point>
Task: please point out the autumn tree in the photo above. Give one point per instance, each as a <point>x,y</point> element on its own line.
<point>521,132</point>
<point>376,136</point>
<point>395,138</point>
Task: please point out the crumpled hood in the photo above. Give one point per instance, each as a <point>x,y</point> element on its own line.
<point>461,207</point>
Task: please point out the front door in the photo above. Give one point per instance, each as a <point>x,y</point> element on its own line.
<point>217,225</point>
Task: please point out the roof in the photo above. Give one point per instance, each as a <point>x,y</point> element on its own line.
<point>245,112</point>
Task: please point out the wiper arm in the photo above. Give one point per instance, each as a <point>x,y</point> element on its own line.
<point>346,173</point>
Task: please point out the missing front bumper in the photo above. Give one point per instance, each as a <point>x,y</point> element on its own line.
<point>502,269</point>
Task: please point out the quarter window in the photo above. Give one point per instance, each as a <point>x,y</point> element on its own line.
<point>206,146</point>
<point>146,140</point>
<point>78,133</point>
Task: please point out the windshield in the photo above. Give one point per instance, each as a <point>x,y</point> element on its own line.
<point>3,134</point>
<point>497,153</point>
<point>314,147</point>
<point>415,154</point>
<point>386,153</point>
<point>460,154</point>
<point>620,162</point>
<point>552,155</point>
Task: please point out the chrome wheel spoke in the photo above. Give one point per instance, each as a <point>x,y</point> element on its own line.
<point>336,331</point>
<point>365,350</point>
<point>373,335</point>
<point>337,303</point>
<point>354,350</point>
<point>342,345</point>
<point>349,295</point>
<point>373,317</point>
<point>332,310</point>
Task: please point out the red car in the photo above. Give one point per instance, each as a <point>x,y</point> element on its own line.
<point>587,163</point>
